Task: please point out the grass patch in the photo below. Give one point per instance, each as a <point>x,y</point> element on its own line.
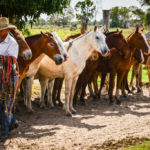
<point>144,146</point>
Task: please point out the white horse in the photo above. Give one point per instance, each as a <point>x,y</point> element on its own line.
<point>79,51</point>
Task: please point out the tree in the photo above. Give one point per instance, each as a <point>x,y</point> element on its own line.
<point>63,19</point>
<point>137,15</point>
<point>124,16</point>
<point>145,2</point>
<point>86,10</point>
<point>147,17</point>
<point>114,16</point>
<point>20,11</point>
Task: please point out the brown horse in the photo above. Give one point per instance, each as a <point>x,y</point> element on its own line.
<point>115,64</point>
<point>42,43</point>
<point>24,49</point>
<point>137,40</point>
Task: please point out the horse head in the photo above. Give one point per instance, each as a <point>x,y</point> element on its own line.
<point>24,49</point>
<point>99,42</point>
<point>60,45</point>
<point>118,41</point>
<point>51,48</point>
<point>138,39</point>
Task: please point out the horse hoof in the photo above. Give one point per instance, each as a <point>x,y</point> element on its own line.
<point>31,112</point>
<point>139,90</point>
<point>110,102</point>
<point>74,112</point>
<point>118,102</point>
<point>125,96</point>
<point>42,106</point>
<point>51,107</point>
<point>69,115</point>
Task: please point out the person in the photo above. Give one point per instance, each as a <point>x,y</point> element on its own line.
<point>8,47</point>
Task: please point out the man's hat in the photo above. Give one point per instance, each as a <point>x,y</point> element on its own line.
<point>4,23</point>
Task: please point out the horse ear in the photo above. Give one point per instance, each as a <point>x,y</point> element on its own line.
<point>43,35</point>
<point>120,32</point>
<point>137,29</point>
<point>95,28</point>
<point>142,29</point>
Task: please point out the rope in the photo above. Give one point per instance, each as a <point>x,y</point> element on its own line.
<point>7,73</point>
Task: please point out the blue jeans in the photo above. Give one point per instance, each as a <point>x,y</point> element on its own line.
<point>5,120</point>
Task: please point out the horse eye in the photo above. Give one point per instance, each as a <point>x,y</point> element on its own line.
<point>97,37</point>
<point>52,44</point>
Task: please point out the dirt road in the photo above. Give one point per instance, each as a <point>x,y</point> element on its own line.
<point>96,126</point>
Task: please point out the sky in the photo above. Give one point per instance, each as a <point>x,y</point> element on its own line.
<point>107,4</point>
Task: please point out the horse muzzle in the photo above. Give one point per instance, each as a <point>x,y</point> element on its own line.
<point>58,59</point>
<point>105,51</point>
<point>27,55</point>
<point>65,57</point>
<point>147,51</point>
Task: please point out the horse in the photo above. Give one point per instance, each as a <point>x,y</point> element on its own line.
<point>113,39</point>
<point>24,49</point>
<point>71,69</point>
<point>44,43</point>
<point>121,66</point>
<point>137,40</point>
<point>137,72</point>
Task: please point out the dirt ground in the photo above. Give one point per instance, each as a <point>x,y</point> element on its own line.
<point>96,126</point>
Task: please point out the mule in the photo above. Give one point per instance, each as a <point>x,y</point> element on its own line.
<point>71,69</point>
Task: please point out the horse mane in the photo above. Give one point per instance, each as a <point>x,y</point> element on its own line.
<point>109,33</point>
<point>71,37</point>
<point>34,36</point>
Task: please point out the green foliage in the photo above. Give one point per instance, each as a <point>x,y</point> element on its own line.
<point>138,15</point>
<point>145,2</point>
<point>143,146</point>
<point>114,15</point>
<point>20,11</point>
<point>86,10</point>
<point>147,18</point>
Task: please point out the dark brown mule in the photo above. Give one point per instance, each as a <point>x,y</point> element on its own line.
<point>24,49</point>
<point>42,43</point>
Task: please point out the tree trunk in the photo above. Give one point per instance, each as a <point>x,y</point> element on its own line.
<point>106,19</point>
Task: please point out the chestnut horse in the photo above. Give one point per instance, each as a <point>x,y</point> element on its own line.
<point>24,49</point>
<point>41,44</point>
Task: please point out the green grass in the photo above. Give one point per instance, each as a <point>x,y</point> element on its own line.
<point>144,146</point>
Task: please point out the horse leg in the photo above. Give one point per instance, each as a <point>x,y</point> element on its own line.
<point>59,92</point>
<point>111,87</point>
<point>72,94</point>
<point>132,77</point>
<point>103,77</point>
<point>90,89</point>
<point>43,83</point>
<point>29,82</point>
<point>140,76</point>
<point>120,76</point>
<point>68,85</point>
<point>95,86</point>
<point>50,86</point>
<point>125,84</point>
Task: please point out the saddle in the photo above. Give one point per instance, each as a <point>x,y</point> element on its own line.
<point>8,69</point>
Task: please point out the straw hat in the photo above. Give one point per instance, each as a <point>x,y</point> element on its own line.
<point>4,23</point>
